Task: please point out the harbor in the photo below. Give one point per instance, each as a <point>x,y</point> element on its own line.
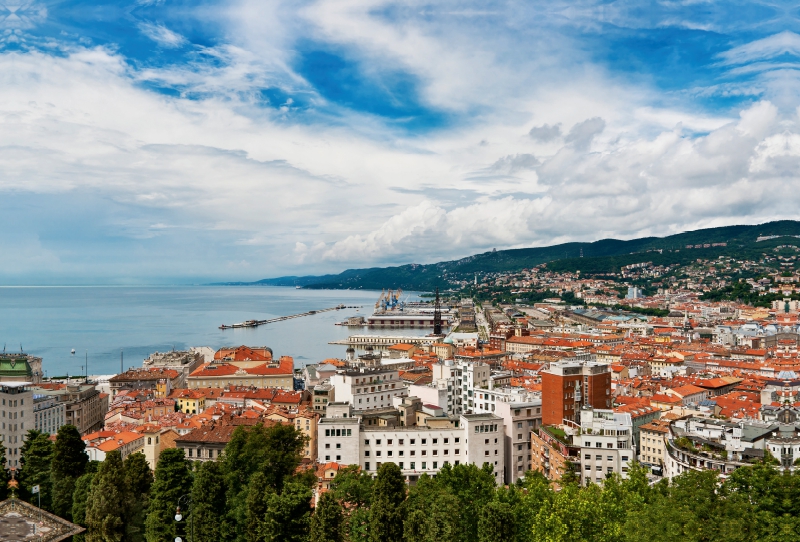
<point>256,323</point>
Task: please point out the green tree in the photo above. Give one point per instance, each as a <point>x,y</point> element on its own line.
<point>5,475</point>
<point>432,514</point>
<point>208,501</point>
<point>327,521</point>
<point>274,451</point>
<point>80,497</point>
<point>258,495</point>
<point>353,489</point>
<point>36,460</point>
<point>138,482</point>
<point>69,464</point>
<point>173,480</point>
<point>497,523</point>
<point>288,514</point>
<point>105,505</point>
<point>387,513</point>
<point>474,487</point>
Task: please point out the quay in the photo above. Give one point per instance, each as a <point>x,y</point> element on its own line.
<point>382,341</point>
<point>256,323</point>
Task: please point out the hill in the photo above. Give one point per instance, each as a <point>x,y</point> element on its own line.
<point>603,256</point>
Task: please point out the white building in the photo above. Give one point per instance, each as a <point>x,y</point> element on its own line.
<point>606,442</point>
<point>16,418</point>
<point>368,389</point>
<point>522,415</point>
<point>49,414</point>
<point>472,438</point>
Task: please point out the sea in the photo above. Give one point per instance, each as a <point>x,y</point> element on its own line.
<point>110,325</point>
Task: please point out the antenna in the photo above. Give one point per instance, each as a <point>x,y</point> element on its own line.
<point>120,362</point>
<point>86,376</point>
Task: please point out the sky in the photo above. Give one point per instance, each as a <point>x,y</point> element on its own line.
<point>161,141</point>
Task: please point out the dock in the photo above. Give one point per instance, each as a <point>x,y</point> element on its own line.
<point>383,341</point>
<point>256,323</point>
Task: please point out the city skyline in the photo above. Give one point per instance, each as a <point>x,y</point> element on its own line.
<point>165,141</point>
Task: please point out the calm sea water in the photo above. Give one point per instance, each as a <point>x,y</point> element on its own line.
<point>104,321</point>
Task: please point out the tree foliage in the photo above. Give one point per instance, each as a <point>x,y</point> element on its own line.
<point>107,500</point>
<point>69,464</point>
<point>173,480</point>
<point>36,460</point>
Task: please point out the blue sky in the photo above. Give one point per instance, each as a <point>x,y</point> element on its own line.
<point>159,141</point>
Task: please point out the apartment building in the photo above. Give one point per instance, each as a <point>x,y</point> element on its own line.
<point>520,419</point>
<point>49,414</point>
<point>472,438</point>
<point>368,388</point>
<point>86,407</point>
<point>567,386</point>
<point>606,442</point>
<point>16,418</point>
<point>652,442</point>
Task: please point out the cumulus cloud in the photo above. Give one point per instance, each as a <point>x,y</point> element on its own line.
<point>582,134</point>
<point>545,133</point>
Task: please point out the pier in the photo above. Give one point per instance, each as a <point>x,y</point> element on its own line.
<point>256,323</point>
<point>380,342</point>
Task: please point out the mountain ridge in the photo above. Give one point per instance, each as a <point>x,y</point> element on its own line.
<point>444,274</point>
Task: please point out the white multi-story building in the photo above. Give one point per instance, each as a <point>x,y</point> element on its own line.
<point>471,438</point>
<point>606,442</point>
<point>368,389</point>
<point>522,415</point>
<point>16,418</point>
<point>459,379</point>
<point>49,414</point>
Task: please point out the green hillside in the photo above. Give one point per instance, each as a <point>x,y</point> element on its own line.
<point>603,256</point>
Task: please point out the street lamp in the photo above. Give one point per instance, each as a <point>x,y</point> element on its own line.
<point>187,500</point>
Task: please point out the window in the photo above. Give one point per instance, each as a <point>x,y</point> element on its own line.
<point>338,446</point>
<point>435,465</point>
<point>587,467</point>
<point>600,468</point>
<point>599,445</point>
<point>400,453</point>
<point>413,465</point>
<point>424,465</point>
<point>610,445</point>
<point>366,453</point>
<point>456,452</point>
<point>598,458</point>
<point>366,442</point>
<point>400,442</point>
<point>436,452</point>
<point>486,441</point>
<point>424,452</point>
<point>486,452</point>
<point>446,441</point>
<point>366,465</point>
<point>378,453</point>
<point>435,441</point>
<point>338,458</point>
<point>588,444</point>
<point>413,441</point>
<point>457,440</point>
<point>389,442</point>
<point>401,465</point>
<point>611,458</point>
<point>424,441</point>
<point>389,453</point>
<point>377,442</point>
<point>624,457</point>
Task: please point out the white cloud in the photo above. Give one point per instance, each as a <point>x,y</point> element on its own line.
<point>162,35</point>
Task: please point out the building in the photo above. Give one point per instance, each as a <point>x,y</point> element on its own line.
<point>20,367</point>
<point>189,401</point>
<point>321,395</point>
<point>185,362</point>
<point>98,445</point>
<point>85,406</point>
<point>521,418</point>
<point>652,442</point>
<point>49,413</point>
<point>567,386</point>
<point>553,453</point>
<point>16,413</point>
<point>162,381</point>
<point>606,442</point>
<point>273,374</point>
<point>368,389</point>
<point>244,356</point>
<point>473,438</point>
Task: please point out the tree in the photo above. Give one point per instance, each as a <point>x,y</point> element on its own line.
<point>474,487</point>
<point>387,513</point>
<point>5,475</point>
<point>326,523</point>
<point>107,500</point>
<point>274,451</point>
<point>288,514</point>
<point>208,501</point>
<point>258,495</point>
<point>497,523</point>
<point>36,459</point>
<point>172,481</point>
<point>69,464</point>
<point>138,482</point>
<point>432,514</point>
<point>80,497</point>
